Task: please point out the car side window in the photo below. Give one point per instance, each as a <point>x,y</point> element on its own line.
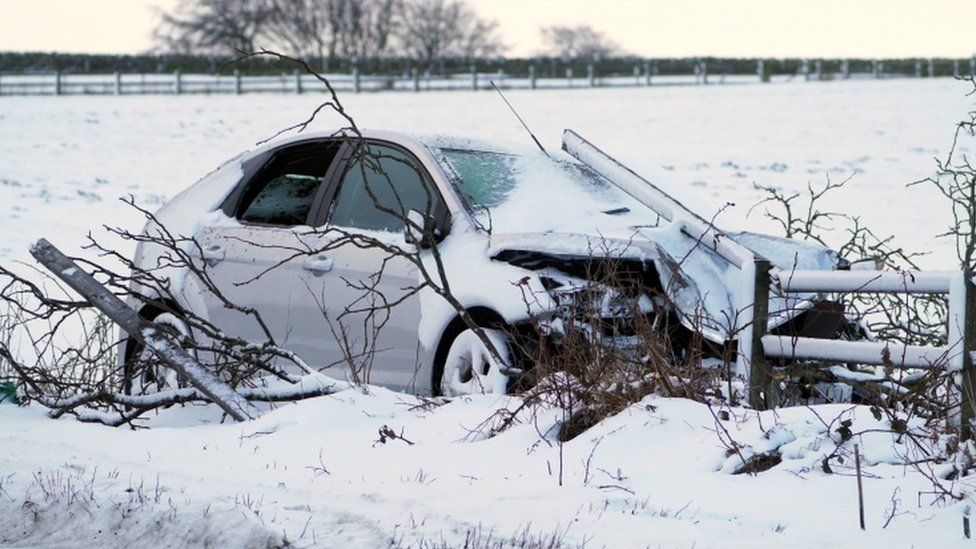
<point>283,193</point>
<point>378,189</point>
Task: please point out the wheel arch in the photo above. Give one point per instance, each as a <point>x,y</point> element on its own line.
<point>483,316</point>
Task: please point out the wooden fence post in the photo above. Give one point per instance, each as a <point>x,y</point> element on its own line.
<point>415,74</point>
<point>356,84</point>
<point>637,75</point>
<point>704,73</point>
<point>569,77</point>
<point>57,83</point>
<point>647,74</point>
<point>955,68</point>
<point>177,82</point>
<point>918,69</point>
<point>763,391</point>
<point>962,339</point>
<point>118,83</point>
<point>845,69</point>
<point>818,70</point>
<point>237,82</point>
<point>474,77</point>
<point>298,81</point>
<point>163,347</point>
<point>591,75</point>
<point>532,81</point>
<point>931,68</point>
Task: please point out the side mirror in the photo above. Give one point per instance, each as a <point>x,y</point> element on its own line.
<point>419,229</point>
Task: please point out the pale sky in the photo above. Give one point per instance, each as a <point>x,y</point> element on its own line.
<point>653,28</point>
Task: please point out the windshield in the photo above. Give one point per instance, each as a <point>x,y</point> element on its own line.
<point>514,193</point>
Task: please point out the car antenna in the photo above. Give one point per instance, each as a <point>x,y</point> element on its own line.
<point>524,125</point>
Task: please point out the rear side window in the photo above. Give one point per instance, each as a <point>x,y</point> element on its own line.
<point>378,190</point>
<point>283,193</point>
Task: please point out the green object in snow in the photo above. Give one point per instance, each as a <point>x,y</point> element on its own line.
<point>8,392</point>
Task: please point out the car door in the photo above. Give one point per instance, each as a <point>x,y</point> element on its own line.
<point>371,292</point>
<point>260,260</point>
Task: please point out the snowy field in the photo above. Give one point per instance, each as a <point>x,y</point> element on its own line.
<point>314,474</point>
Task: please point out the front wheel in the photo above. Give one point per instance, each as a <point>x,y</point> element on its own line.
<point>469,367</point>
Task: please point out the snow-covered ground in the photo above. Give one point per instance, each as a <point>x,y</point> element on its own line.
<point>313,473</point>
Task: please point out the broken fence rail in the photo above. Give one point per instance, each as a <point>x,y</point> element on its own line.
<point>756,346</point>
<point>162,345</point>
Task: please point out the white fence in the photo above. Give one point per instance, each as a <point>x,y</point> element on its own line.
<point>757,347</point>
<point>295,83</point>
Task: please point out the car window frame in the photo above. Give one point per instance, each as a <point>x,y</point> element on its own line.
<point>255,169</point>
<point>441,213</point>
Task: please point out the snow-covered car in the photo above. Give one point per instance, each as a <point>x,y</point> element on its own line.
<point>510,223</point>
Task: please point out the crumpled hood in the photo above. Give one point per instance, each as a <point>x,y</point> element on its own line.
<point>701,284</point>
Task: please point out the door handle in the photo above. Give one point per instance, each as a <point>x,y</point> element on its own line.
<point>213,254</point>
<point>318,265</point>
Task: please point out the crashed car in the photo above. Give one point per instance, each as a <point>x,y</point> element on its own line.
<point>516,234</point>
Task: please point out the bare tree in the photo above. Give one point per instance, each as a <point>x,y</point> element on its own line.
<point>368,27</point>
<point>304,27</point>
<point>215,26</point>
<point>579,42</point>
<point>431,30</point>
<point>327,29</point>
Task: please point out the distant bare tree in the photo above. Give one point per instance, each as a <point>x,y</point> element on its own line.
<point>304,27</point>
<point>215,26</point>
<point>431,30</point>
<point>326,29</point>
<point>367,26</point>
<point>579,42</point>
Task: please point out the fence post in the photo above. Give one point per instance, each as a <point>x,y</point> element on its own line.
<point>57,83</point>
<point>637,78</point>
<point>118,83</point>
<point>931,68</point>
<point>763,391</point>
<point>298,81</point>
<point>761,70</point>
<point>177,82</point>
<point>591,75</point>
<point>955,68</point>
<point>972,66</point>
<point>1,83</point>
<point>845,69</point>
<point>818,70</point>
<point>237,82</point>
<point>962,338</point>
<point>918,69</point>
<point>805,69</point>
<point>355,80</point>
<point>704,73</point>
<point>415,74</point>
<point>647,74</point>
<point>877,67</point>
<point>569,77</point>
<point>532,82</point>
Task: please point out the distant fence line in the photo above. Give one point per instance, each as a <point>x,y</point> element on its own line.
<point>645,74</point>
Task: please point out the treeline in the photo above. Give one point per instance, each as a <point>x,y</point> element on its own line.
<point>545,66</point>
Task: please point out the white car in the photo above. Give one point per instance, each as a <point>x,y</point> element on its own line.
<point>509,224</point>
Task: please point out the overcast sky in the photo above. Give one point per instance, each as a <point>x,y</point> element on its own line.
<point>735,28</point>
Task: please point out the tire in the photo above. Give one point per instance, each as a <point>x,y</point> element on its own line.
<point>469,369</point>
<point>143,373</point>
